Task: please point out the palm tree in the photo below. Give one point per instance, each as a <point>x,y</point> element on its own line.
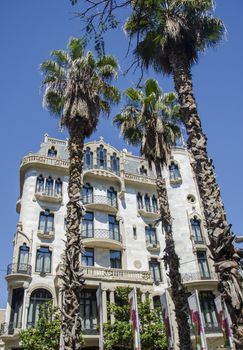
<point>77,89</point>
<point>170,35</point>
<point>149,121</point>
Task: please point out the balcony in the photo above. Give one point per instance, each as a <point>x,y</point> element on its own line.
<point>175,180</point>
<point>107,173</point>
<point>109,274</point>
<point>17,274</point>
<point>102,238</point>
<point>193,278</point>
<point>10,328</point>
<point>48,196</point>
<point>149,212</point>
<point>153,247</point>
<point>49,235</point>
<point>102,203</point>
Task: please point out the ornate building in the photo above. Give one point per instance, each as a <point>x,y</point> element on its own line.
<point>123,247</point>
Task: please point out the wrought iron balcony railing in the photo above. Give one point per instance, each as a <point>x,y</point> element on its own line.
<point>97,199</point>
<point>24,269</point>
<point>101,234</point>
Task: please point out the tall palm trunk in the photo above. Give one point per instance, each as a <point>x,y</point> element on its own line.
<point>171,261</point>
<point>219,231</point>
<point>71,274</point>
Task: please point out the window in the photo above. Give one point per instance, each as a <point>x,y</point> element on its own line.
<point>38,297</point>
<point>196,230</point>
<point>134,231</point>
<point>43,260</point>
<point>58,187</point>
<point>154,268</point>
<point>150,233</point>
<point>139,201</point>
<point>52,152</point>
<point>147,203</point>
<point>112,197</point>
<point>23,258</point>
<point>49,186</point>
<point>154,204</point>
<point>143,171</point>
<point>87,193</point>
<point>115,164</point>
<point>88,257</point>
<point>101,158</point>
<point>16,310</point>
<point>46,222</point>
<point>208,311</point>
<point>115,259</point>
<point>40,184</point>
<point>88,309</point>
<point>114,230</point>
<point>174,172</point>
<point>88,225</point>
<point>88,159</point>
<point>203,264</point>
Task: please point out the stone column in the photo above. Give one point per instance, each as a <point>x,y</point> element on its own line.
<point>25,303</point>
<point>112,300</point>
<point>151,302</point>
<point>104,304</point>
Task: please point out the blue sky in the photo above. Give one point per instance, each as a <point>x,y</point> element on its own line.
<point>29,30</point>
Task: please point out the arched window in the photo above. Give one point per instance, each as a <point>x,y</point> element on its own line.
<point>58,187</point>
<point>139,201</point>
<point>147,203</point>
<point>174,172</point>
<point>40,184</point>
<point>101,158</point>
<point>154,204</point>
<point>23,258</point>
<point>49,186</point>
<point>143,171</point>
<point>115,163</point>
<point>196,230</point>
<point>87,193</point>
<point>38,297</point>
<point>52,152</point>
<point>88,159</point>
<point>112,197</point>
<point>46,222</point>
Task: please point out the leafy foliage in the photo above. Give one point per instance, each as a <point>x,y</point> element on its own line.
<point>77,85</point>
<point>45,334</point>
<point>163,27</point>
<point>152,331</point>
<point>150,120</point>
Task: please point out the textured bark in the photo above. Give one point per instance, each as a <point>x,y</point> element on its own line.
<point>224,254</point>
<point>172,262</point>
<point>71,272</point>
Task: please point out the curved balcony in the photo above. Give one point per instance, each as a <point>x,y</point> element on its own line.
<point>195,278</point>
<point>108,174</point>
<point>17,274</point>
<point>46,235</point>
<point>49,196</point>
<point>102,238</point>
<point>102,203</point>
<point>153,247</point>
<point>18,205</point>
<point>149,212</point>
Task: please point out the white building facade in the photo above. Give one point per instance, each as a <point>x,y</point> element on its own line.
<point>123,246</point>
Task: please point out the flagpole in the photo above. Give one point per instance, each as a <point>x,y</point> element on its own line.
<point>203,336</point>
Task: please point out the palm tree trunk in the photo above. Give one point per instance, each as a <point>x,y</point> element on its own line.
<point>71,273</point>
<point>221,239</point>
<point>171,260</point>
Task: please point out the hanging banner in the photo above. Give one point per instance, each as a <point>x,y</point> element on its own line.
<point>134,319</point>
<point>100,312</point>
<point>197,321</point>
<point>225,322</point>
<point>167,319</point>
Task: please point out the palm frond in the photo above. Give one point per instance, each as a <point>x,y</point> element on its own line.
<point>75,48</point>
